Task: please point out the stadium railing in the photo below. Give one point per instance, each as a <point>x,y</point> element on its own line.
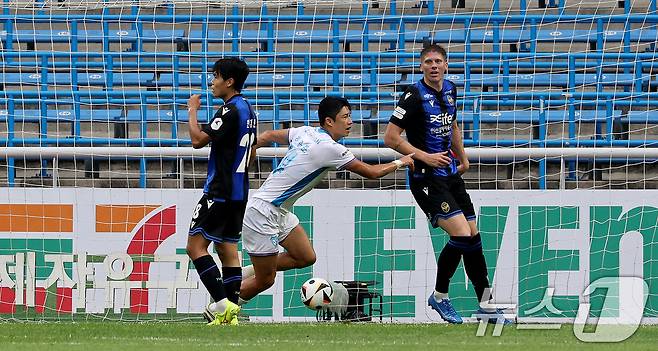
<point>604,107</point>
<point>526,30</point>
<point>563,155</point>
<point>395,7</point>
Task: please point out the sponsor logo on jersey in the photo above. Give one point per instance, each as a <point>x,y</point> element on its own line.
<point>442,118</point>
<point>210,202</point>
<point>399,112</point>
<point>407,95</point>
<point>431,103</point>
<point>225,110</point>
<point>428,96</point>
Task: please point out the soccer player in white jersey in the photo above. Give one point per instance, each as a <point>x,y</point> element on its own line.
<point>268,220</point>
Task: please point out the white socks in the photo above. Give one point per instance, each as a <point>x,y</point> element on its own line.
<point>219,306</point>
<point>487,306</point>
<point>440,296</point>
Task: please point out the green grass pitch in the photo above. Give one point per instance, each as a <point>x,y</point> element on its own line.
<point>158,336</point>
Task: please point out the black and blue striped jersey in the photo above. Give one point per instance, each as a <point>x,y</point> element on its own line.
<point>427,116</point>
<point>232,131</point>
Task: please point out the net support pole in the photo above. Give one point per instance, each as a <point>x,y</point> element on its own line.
<point>181,178</point>
<point>563,178</point>
<point>55,172</point>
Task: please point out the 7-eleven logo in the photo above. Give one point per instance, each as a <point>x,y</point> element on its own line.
<point>150,226</point>
<point>37,260</point>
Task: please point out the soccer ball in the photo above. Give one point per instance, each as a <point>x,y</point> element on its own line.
<point>316,293</point>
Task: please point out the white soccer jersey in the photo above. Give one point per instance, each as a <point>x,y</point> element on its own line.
<point>312,153</point>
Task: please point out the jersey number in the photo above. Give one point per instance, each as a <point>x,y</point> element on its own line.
<point>196,211</point>
<point>245,142</point>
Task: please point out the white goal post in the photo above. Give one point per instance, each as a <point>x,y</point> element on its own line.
<point>562,154</point>
<point>484,153</point>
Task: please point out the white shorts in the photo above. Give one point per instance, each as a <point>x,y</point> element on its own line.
<point>264,226</point>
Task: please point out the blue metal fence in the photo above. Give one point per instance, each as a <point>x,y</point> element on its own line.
<point>486,93</point>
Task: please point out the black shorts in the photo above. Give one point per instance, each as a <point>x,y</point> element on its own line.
<point>442,197</point>
<point>218,221</point>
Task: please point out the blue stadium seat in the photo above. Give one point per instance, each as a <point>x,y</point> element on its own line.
<point>64,115</point>
<point>307,36</point>
<point>286,79</point>
<point>120,79</point>
<point>186,79</point>
<point>93,36</point>
<point>533,116</point>
<point>276,79</point>
<point>258,79</point>
<point>457,35</point>
<point>95,115</point>
<point>480,36</point>
<point>84,79</point>
<point>21,115</point>
<point>354,79</point>
<point>394,36</point>
<point>506,35</point>
<point>268,116</point>
<point>264,116</point>
<point>223,36</point>
<point>164,115</point>
<point>641,117</point>
<point>584,35</point>
<point>540,79</point>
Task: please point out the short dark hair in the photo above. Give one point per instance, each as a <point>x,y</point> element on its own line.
<point>232,67</point>
<point>433,48</point>
<point>330,106</point>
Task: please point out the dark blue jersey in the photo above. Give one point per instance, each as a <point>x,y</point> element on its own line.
<point>232,131</point>
<point>427,116</point>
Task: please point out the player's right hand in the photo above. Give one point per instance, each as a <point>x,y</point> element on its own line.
<point>194,102</point>
<point>439,159</point>
<point>408,161</point>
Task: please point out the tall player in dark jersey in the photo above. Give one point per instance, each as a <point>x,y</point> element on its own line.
<point>427,111</point>
<point>218,216</point>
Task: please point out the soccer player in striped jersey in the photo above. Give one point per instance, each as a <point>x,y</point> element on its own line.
<point>268,220</point>
<point>217,218</point>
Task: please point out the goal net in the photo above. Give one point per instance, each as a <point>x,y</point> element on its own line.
<point>556,102</point>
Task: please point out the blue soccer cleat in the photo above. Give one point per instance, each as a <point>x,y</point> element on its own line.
<point>493,316</point>
<point>445,309</point>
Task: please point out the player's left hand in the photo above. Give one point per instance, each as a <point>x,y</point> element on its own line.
<point>463,167</point>
<point>408,161</point>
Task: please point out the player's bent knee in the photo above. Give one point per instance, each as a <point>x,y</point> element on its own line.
<point>195,251</point>
<point>192,251</point>
<point>229,258</point>
<point>310,259</point>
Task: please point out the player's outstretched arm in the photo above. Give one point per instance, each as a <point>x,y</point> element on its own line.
<point>378,171</point>
<point>198,137</point>
<point>393,139</point>
<point>279,136</point>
